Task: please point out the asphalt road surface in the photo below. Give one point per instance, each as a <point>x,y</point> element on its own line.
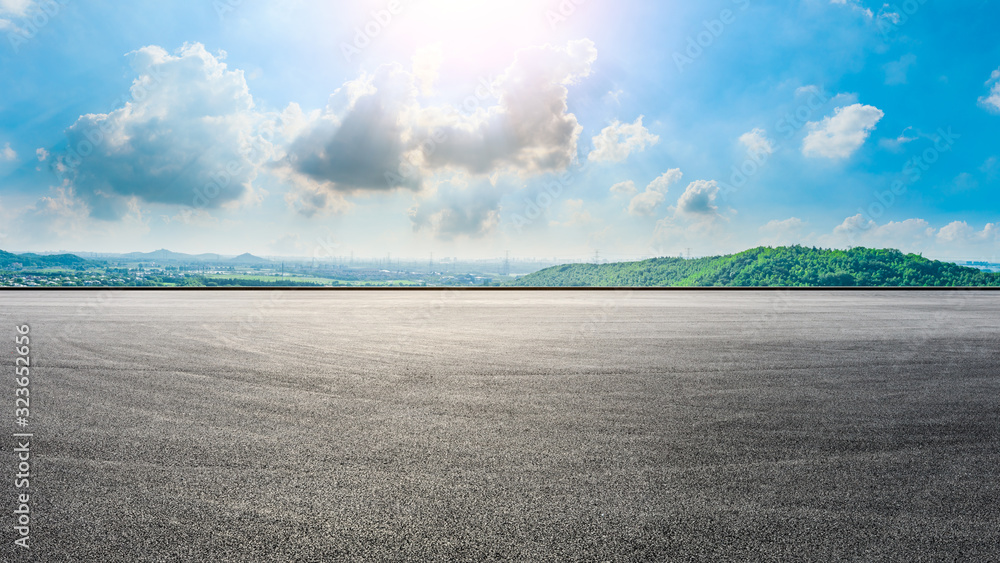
<point>505,426</point>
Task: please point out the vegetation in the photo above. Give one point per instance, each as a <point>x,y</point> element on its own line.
<point>8,260</point>
<point>241,281</point>
<point>794,266</point>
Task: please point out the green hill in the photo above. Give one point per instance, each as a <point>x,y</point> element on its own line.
<point>38,261</point>
<point>794,266</point>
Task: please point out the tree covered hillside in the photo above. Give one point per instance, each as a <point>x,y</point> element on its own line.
<point>794,266</point>
<point>37,261</point>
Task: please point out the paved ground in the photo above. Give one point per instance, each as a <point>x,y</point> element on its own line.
<point>576,426</point>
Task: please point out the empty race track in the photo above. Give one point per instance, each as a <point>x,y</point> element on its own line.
<point>498,425</point>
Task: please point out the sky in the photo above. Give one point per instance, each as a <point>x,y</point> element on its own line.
<point>546,128</point>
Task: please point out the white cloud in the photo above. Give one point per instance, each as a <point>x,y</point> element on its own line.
<point>375,136</point>
<point>951,241</point>
<point>854,6</point>
<point>955,231</point>
<point>992,100</point>
<point>662,183</point>
<point>854,225</point>
<point>530,131</point>
<point>699,199</point>
<point>625,188</point>
<point>617,141</point>
<point>896,145</point>
<point>455,210</point>
<point>757,143</point>
<point>840,135</point>
<point>188,136</point>
<point>15,7</point>
<point>782,232</point>
<point>647,202</point>
<point>358,143</point>
<point>963,233</point>
<point>63,218</point>
<point>7,153</point>
<point>42,154</point>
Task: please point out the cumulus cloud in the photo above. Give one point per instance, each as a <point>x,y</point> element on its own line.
<point>624,188</point>
<point>953,240</point>
<point>757,143</point>
<point>909,235</point>
<point>840,135</point>
<point>358,142</point>
<point>617,141</point>
<point>529,131</point>
<point>374,135</point>
<point>647,202</point>
<point>783,232</point>
<point>963,233</point>
<point>957,230</point>
<point>7,153</point>
<point>63,218</point>
<point>698,199</point>
<point>42,154</point>
<point>992,100</point>
<point>854,224</point>
<point>188,135</point>
<point>455,211</point>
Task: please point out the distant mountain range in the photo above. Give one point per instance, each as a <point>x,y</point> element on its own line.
<point>30,260</point>
<point>8,260</point>
<point>164,255</point>
<point>794,266</point>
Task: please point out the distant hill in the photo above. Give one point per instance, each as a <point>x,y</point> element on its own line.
<point>794,266</point>
<point>30,260</point>
<point>249,259</point>
<point>164,255</point>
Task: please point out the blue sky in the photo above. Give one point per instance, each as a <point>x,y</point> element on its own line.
<point>547,128</point>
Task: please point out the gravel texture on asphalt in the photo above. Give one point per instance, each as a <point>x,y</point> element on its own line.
<point>507,426</point>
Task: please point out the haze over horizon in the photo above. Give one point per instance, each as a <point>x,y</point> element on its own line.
<point>547,129</point>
